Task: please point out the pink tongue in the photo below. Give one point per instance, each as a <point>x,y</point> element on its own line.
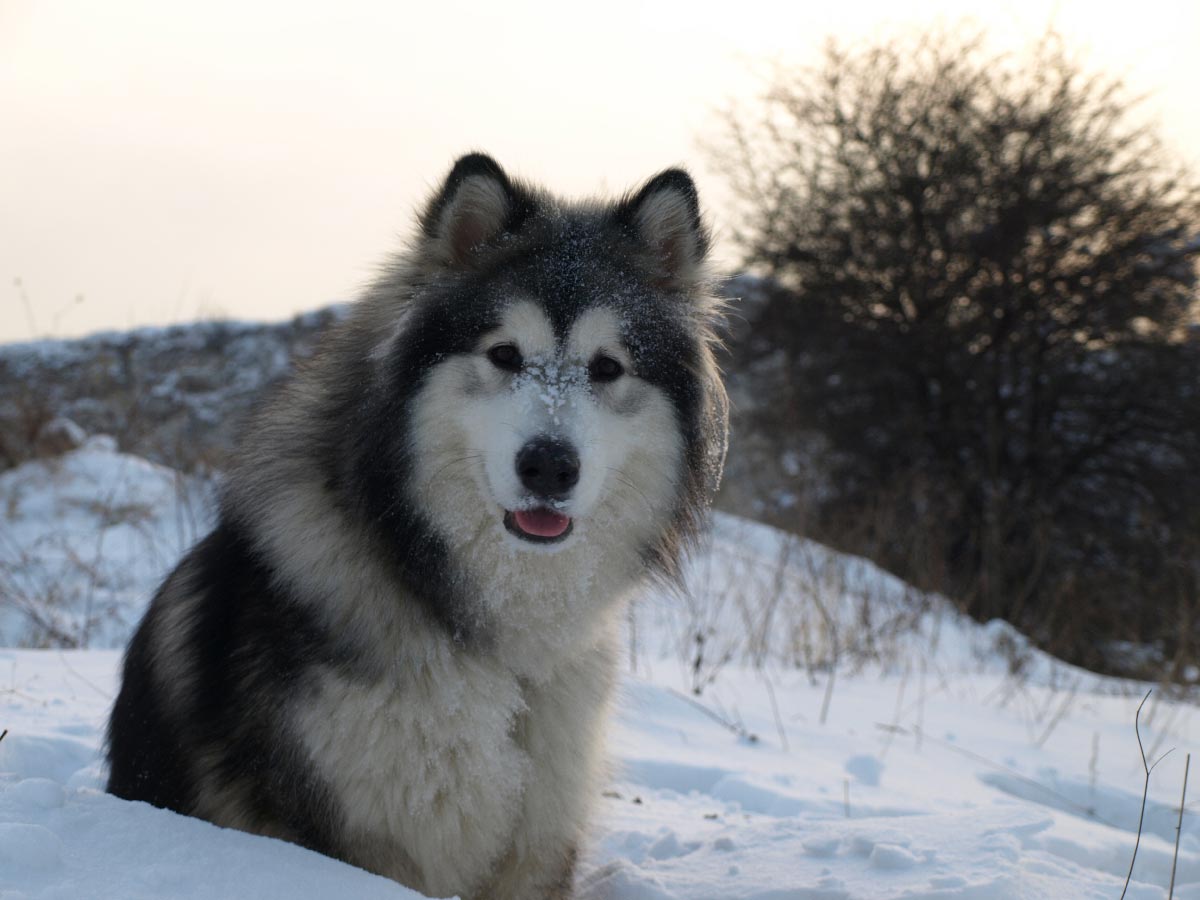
<point>541,522</point>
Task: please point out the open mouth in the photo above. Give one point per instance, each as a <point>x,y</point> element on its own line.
<point>539,525</point>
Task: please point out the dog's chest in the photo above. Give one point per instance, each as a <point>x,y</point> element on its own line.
<point>424,768</point>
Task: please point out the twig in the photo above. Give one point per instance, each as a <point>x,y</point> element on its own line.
<point>921,707</point>
<point>891,732</point>
<point>1179,825</point>
<point>62,658</point>
<point>1057,717</point>
<point>834,646</point>
<point>783,741</point>
<point>1145,787</point>
<point>3,734</point>
<point>1164,730</point>
<point>736,727</point>
<point>1093,768</point>
<point>828,693</point>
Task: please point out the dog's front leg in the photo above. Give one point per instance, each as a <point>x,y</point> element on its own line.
<point>563,734</point>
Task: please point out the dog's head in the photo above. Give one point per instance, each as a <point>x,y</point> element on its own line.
<point>548,372</point>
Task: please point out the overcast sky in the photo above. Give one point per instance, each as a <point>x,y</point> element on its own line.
<point>162,161</point>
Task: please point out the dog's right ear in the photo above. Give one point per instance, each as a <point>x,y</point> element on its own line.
<point>475,205</point>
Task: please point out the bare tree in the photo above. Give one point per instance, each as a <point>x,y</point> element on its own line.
<point>988,274</point>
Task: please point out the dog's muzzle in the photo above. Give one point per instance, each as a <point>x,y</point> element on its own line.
<point>549,470</point>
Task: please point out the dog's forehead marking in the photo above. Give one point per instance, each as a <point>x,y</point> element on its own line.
<point>525,323</point>
<point>596,328</point>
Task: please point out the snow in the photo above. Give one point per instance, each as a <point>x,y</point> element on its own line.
<point>84,540</point>
<point>796,724</point>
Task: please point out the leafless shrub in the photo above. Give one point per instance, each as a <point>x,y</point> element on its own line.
<point>984,272</point>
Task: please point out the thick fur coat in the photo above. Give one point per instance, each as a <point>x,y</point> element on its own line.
<point>398,645</point>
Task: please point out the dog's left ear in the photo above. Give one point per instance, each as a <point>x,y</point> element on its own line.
<point>665,218</point>
<point>475,205</point>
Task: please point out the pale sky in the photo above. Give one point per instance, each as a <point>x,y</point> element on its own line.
<point>163,161</point>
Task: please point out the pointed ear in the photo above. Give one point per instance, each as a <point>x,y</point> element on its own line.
<point>664,216</point>
<point>475,204</point>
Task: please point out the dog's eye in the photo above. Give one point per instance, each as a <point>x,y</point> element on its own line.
<point>506,357</point>
<point>605,368</point>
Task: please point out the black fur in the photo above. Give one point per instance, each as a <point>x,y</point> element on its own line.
<point>243,635</point>
<point>145,745</point>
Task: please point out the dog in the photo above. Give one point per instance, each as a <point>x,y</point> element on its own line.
<point>398,645</point>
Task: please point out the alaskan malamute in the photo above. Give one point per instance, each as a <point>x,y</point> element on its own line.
<point>398,645</point>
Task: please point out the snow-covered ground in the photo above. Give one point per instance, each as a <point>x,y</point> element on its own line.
<point>84,539</point>
<point>795,725</point>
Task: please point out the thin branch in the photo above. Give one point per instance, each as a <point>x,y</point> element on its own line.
<point>783,741</point>
<point>1179,825</point>
<point>736,727</point>
<point>1145,787</point>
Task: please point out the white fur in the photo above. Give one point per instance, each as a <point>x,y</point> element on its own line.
<point>481,779</point>
<point>423,761</point>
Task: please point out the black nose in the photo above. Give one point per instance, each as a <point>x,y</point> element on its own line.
<point>547,467</point>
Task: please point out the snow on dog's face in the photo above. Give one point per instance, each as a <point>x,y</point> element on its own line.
<point>560,432</point>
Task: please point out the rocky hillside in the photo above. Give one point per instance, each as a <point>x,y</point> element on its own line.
<point>172,395</point>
